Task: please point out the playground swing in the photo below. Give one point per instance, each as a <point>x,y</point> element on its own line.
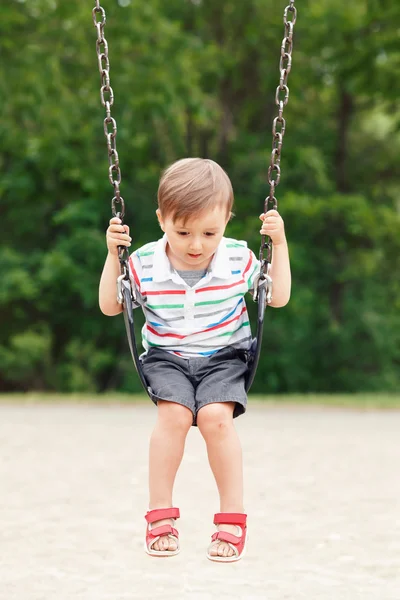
<point>262,294</point>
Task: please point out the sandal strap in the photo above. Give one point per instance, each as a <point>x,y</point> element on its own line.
<point>230,519</point>
<point>162,513</point>
<point>224,536</point>
<point>163,530</point>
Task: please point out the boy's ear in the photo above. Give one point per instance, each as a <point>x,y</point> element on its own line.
<point>160,219</point>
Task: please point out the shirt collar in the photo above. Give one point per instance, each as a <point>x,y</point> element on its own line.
<point>220,266</point>
<point>162,268</point>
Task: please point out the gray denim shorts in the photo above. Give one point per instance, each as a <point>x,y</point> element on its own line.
<point>195,382</point>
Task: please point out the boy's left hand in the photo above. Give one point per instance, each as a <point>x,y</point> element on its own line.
<point>273,226</point>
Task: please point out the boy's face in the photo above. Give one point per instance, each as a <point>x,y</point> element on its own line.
<point>191,246</point>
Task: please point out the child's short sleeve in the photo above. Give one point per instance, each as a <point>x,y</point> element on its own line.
<point>135,276</point>
<point>252,269</point>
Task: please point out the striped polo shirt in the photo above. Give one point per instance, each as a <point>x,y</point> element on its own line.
<point>199,320</point>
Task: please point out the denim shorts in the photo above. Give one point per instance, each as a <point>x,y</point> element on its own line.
<point>195,382</point>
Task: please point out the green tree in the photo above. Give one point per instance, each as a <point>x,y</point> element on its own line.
<point>199,78</point>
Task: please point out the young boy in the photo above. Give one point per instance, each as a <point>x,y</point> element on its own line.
<point>191,285</point>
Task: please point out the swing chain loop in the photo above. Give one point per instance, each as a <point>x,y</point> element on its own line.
<point>110,125</point>
<point>291,8</point>
<point>278,132</point>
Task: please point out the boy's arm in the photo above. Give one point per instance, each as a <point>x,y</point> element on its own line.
<point>274,227</point>
<point>280,275</point>
<point>117,235</point>
<point>108,287</point>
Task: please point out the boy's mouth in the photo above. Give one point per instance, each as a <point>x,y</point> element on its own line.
<point>194,255</point>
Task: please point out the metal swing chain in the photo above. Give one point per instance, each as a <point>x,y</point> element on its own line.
<point>110,131</point>
<point>107,100</point>
<point>278,131</point>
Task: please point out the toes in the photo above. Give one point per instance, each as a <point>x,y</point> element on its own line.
<point>214,550</point>
<point>172,545</point>
<point>222,549</point>
<point>159,545</point>
<point>165,543</point>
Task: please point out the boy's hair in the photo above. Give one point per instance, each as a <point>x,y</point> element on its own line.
<point>191,186</point>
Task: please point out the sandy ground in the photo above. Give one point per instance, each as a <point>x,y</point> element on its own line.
<point>322,494</point>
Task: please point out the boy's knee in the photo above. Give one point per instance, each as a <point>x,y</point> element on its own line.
<point>174,415</point>
<point>215,418</point>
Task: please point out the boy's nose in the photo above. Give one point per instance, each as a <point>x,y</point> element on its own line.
<point>195,247</point>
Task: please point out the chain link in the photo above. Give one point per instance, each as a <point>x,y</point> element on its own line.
<point>107,100</point>
<point>278,130</point>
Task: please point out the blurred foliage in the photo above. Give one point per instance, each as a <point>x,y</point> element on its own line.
<point>198,78</point>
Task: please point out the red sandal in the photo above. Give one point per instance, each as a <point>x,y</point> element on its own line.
<point>236,542</point>
<point>152,535</point>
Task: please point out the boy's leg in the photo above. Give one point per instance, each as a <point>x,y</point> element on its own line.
<point>167,444</point>
<point>215,422</point>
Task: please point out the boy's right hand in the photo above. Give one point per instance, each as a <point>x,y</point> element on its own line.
<point>117,235</point>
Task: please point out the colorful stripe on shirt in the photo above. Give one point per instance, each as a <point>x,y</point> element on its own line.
<point>179,318</point>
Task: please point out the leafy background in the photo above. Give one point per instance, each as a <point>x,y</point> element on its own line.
<point>198,78</point>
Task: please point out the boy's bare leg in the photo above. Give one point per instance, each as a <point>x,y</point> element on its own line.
<point>215,422</point>
<point>167,444</point>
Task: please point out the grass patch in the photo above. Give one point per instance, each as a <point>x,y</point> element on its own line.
<point>357,401</point>
<point>77,398</point>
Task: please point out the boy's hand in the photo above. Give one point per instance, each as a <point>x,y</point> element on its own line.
<point>117,235</point>
<point>273,226</point>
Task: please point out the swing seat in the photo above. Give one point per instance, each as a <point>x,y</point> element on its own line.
<point>251,352</point>
<point>250,357</point>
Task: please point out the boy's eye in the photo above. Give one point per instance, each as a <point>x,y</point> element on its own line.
<point>207,233</point>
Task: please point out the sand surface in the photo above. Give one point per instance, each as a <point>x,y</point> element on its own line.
<point>322,495</point>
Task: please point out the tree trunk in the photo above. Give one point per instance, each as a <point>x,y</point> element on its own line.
<point>344,114</point>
